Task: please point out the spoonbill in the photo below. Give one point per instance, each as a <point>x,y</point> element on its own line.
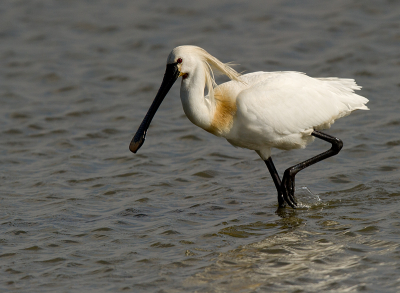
<point>258,111</point>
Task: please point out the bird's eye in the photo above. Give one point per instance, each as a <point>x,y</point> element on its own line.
<point>179,60</point>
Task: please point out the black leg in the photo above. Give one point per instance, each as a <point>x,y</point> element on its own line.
<point>277,180</point>
<point>287,187</point>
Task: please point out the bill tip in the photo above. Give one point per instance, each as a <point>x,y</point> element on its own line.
<point>134,146</point>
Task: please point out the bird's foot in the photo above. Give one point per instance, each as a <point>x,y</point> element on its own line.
<point>287,189</point>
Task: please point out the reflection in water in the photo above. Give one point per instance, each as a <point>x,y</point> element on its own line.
<point>299,259</point>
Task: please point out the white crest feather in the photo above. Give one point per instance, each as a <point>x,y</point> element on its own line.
<point>211,63</point>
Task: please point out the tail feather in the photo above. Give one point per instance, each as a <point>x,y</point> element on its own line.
<point>347,87</point>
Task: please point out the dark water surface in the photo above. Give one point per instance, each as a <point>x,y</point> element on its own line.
<point>190,213</point>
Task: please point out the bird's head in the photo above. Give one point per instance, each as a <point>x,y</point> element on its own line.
<point>182,61</point>
<point>186,59</point>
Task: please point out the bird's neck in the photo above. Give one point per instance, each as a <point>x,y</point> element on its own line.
<point>215,113</point>
<point>198,109</point>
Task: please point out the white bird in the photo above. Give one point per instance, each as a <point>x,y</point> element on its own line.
<point>259,110</point>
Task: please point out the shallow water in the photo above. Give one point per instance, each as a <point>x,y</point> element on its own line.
<point>190,213</point>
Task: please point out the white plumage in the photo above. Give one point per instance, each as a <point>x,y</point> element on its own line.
<point>268,109</point>
<point>257,111</point>
<point>281,109</point>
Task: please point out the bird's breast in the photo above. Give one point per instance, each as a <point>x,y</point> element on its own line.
<point>223,117</point>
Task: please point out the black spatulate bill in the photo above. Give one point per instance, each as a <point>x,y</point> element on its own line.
<point>170,76</point>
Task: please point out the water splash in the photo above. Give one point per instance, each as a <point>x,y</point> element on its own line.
<point>305,198</point>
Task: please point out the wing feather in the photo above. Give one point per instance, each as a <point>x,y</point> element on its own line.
<point>291,102</point>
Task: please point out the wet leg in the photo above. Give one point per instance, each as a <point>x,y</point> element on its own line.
<point>276,179</point>
<point>287,186</point>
